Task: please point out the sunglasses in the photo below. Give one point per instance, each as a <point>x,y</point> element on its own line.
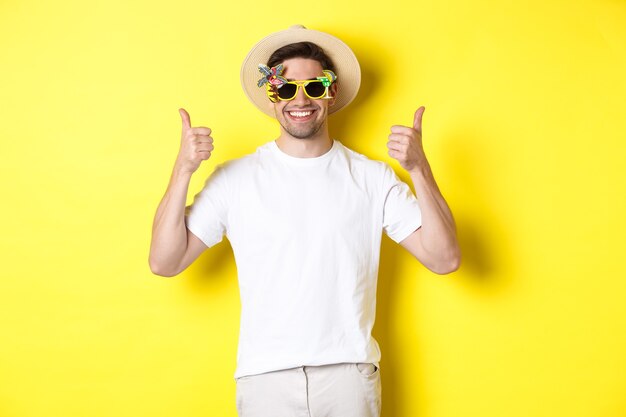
<point>314,89</point>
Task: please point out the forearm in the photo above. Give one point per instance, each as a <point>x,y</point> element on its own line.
<point>438,227</point>
<point>169,233</point>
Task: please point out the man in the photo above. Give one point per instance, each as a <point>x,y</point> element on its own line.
<point>305,215</point>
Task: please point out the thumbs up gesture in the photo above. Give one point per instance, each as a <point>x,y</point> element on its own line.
<point>405,143</point>
<point>196,144</point>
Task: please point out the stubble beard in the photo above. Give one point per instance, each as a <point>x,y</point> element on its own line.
<point>301,131</point>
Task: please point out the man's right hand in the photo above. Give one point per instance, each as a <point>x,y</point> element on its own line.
<point>196,145</point>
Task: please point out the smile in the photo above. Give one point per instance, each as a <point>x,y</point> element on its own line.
<point>301,116</point>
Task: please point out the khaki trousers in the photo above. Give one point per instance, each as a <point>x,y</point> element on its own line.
<point>337,390</point>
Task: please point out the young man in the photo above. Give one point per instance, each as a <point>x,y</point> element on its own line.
<point>305,215</point>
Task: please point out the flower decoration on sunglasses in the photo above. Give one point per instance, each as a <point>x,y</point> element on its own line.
<point>272,79</point>
<point>271,75</point>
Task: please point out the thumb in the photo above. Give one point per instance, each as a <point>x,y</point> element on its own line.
<point>185,117</point>
<point>417,119</point>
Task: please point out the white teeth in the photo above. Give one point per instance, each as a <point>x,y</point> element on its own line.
<point>300,113</point>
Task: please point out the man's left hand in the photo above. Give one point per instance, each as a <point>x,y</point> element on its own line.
<point>405,143</point>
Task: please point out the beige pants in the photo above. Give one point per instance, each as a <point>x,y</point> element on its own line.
<point>338,390</point>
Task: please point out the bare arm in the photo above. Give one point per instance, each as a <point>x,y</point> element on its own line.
<point>434,244</point>
<point>173,247</point>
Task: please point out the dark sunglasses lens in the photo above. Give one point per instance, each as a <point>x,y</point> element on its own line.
<point>287,91</point>
<point>315,89</point>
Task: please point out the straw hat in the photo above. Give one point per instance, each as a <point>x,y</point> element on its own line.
<point>346,65</point>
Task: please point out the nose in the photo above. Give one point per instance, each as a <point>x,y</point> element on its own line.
<point>300,97</point>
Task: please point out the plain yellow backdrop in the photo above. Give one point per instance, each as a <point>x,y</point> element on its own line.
<point>524,128</point>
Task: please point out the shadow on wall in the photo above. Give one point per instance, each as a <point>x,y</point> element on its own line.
<point>481,268</point>
<point>489,252</point>
<point>210,269</point>
<point>341,123</point>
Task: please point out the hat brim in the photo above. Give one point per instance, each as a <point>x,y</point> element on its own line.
<point>346,65</point>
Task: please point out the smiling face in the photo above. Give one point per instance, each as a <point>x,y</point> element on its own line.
<point>303,117</point>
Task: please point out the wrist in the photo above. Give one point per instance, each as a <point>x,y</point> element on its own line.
<point>423,180</point>
<point>181,172</point>
<point>421,171</point>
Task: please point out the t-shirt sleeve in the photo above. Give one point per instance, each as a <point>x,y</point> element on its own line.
<point>401,212</point>
<point>207,216</point>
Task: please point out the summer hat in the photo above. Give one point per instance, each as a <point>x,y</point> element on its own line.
<point>346,65</point>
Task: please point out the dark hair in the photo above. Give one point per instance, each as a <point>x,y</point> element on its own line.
<point>301,50</point>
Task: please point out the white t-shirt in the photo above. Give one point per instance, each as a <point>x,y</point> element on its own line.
<point>306,235</point>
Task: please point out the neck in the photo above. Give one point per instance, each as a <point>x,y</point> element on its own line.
<point>311,147</point>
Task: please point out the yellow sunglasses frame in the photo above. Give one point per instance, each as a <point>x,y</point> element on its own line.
<point>273,96</point>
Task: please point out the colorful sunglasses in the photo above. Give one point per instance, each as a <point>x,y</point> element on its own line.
<point>278,88</point>
<point>314,89</point>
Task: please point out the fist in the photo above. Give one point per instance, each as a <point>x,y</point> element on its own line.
<point>196,144</point>
<point>405,143</point>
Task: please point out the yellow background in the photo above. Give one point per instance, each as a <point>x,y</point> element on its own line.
<point>524,129</point>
